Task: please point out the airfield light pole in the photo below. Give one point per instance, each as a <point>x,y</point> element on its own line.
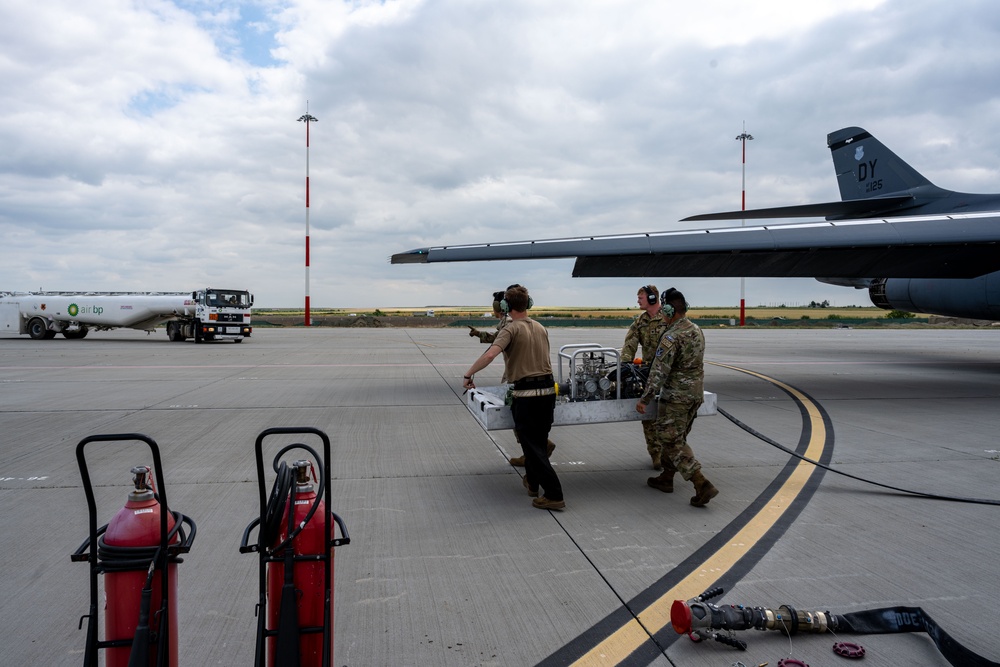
<point>743,138</point>
<point>307,118</point>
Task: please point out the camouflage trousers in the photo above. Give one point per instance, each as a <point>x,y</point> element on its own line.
<point>649,431</point>
<point>669,432</point>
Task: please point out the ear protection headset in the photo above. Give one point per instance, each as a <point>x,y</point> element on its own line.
<point>497,298</point>
<point>671,294</point>
<point>651,297</point>
<point>505,307</point>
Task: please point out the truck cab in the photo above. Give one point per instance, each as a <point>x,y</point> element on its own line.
<point>220,314</point>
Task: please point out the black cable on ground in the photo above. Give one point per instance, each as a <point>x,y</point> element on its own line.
<point>773,443</point>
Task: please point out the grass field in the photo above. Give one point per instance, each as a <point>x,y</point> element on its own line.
<point>758,313</point>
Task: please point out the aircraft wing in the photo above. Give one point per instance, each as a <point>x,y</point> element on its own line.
<point>854,208</point>
<point>952,246</point>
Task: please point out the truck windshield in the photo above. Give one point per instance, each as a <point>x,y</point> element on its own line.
<point>220,299</point>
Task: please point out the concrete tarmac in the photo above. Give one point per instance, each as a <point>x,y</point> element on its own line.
<point>449,564</point>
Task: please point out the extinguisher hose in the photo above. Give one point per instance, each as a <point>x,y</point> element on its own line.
<point>284,487</point>
<point>271,521</point>
<point>115,558</point>
<point>139,655</point>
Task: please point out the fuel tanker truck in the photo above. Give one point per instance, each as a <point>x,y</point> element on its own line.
<point>204,315</point>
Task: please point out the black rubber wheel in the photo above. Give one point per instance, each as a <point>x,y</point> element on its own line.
<point>37,329</point>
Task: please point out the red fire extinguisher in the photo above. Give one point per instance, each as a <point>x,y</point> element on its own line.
<point>137,552</point>
<point>295,622</point>
<point>305,588</point>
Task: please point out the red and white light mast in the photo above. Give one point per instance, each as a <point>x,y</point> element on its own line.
<point>307,119</point>
<point>744,138</point>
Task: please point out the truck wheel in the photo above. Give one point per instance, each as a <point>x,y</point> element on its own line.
<point>174,332</point>
<point>37,329</point>
<point>76,335</point>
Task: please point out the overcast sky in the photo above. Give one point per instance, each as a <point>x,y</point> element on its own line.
<point>152,145</point>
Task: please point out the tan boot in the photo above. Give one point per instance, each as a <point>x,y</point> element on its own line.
<point>551,447</point>
<point>544,503</point>
<point>519,460</point>
<point>664,482</point>
<point>655,456</point>
<point>703,490</point>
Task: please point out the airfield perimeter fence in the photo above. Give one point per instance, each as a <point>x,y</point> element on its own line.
<point>264,321</point>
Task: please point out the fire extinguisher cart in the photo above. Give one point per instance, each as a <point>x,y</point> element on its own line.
<point>295,549</point>
<point>143,540</point>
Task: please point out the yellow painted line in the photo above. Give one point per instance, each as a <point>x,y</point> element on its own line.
<point>627,639</point>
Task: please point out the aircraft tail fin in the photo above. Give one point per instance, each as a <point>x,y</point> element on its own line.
<point>866,168</point>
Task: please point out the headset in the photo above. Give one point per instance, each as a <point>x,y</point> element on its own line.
<point>671,294</point>
<point>651,297</point>
<point>505,307</point>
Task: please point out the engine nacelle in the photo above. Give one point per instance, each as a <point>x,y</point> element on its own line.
<point>976,298</point>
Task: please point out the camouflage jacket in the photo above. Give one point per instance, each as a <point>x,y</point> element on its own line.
<point>678,372</point>
<point>644,333</point>
<point>490,336</point>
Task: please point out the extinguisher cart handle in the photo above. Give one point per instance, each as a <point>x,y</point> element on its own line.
<point>340,541</point>
<point>247,548</point>
<point>90,652</point>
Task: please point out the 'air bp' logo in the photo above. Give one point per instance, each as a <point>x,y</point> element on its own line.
<point>75,310</point>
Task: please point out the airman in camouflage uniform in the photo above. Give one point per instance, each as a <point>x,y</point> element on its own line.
<point>490,336</point>
<point>645,333</point>
<point>676,381</point>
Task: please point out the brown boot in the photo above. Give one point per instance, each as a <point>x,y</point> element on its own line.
<point>544,503</point>
<point>703,490</point>
<point>665,481</point>
<point>519,460</point>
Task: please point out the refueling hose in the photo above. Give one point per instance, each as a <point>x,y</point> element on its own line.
<point>698,618</point>
<point>773,443</point>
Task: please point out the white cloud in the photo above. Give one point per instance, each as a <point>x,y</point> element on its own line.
<point>154,145</point>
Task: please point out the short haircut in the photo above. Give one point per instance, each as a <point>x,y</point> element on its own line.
<point>517,298</point>
<point>642,290</point>
<point>675,298</point>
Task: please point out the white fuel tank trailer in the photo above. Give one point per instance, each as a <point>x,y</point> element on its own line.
<point>204,315</point>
